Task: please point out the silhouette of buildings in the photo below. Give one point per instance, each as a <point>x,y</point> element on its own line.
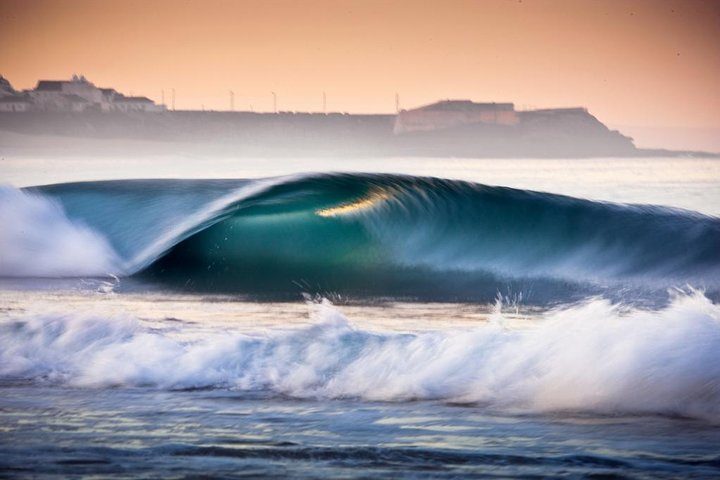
<point>74,95</point>
<point>454,113</point>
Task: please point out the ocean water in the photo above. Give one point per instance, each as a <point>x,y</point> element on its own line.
<point>436,318</point>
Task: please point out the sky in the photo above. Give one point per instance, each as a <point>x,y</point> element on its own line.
<point>652,64</point>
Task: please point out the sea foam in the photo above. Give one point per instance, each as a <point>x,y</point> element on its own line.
<point>37,239</point>
<point>593,357</point>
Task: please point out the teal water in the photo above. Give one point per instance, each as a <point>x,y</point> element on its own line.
<point>562,324</point>
<point>390,235</point>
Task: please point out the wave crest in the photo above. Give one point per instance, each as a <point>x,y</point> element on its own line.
<point>372,234</point>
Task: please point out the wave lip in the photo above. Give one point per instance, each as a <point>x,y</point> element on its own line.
<point>213,212</point>
<point>594,357</point>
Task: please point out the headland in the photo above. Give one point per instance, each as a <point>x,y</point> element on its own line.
<point>77,109</point>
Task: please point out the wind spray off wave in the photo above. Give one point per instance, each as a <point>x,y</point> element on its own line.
<point>38,239</point>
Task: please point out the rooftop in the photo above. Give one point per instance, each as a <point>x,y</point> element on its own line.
<point>49,85</point>
<point>133,100</point>
<point>465,105</point>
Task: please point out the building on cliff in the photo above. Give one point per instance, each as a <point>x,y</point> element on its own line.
<point>460,128</point>
<point>133,104</point>
<point>74,95</point>
<point>11,100</point>
<point>15,103</point>
<point>454,113</point>
<point>5,87</point>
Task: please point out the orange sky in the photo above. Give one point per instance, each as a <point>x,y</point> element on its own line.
<point>647,63</point>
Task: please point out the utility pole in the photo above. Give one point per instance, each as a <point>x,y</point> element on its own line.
<point>162,96</point>
<point>324,103</point>
<point>173,99</point>
<point>274,102</point>
<point>232,101</point>
<point>397,102</point>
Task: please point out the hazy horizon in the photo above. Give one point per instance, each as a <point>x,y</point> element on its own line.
<point>650,64</point>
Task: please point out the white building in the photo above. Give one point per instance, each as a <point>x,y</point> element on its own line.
<point>11,100</point>
<point>5,87</point>
<point>78,94</point>
<point>454,113</point>
<point>135,104</point>
<point>15,103</point>
<point>60,95</point>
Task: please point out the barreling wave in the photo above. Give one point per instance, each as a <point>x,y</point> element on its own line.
<point>386,234</point>
<point>592,357</point>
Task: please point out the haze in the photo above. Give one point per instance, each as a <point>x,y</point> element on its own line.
<point>651,67</point>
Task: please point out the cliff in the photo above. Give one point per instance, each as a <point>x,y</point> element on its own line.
<point>539,133</point>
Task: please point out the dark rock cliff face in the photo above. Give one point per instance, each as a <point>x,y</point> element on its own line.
<point>541,133</point>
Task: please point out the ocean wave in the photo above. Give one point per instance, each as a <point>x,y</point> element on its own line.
<point>592,357</point>
<point>381,233</point>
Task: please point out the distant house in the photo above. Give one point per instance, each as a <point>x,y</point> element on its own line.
<point>75,103</point>
<point>135,104</point>
<point>10,100</point>
<point>15,103</point>
<point>78,95</point>
<point>453,113</point>
<point>74,95</point>
<point>5,87</point>
<point>108,97</point>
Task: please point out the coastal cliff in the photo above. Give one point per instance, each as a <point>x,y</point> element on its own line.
<point>537,133</point>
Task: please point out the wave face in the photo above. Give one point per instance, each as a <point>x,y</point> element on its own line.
<point>592,357</point>
<point>388,234</point>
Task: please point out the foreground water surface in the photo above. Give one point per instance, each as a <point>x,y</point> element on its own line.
<point>131,433</point>
<point>361,326</point>
<point>166,385</point>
